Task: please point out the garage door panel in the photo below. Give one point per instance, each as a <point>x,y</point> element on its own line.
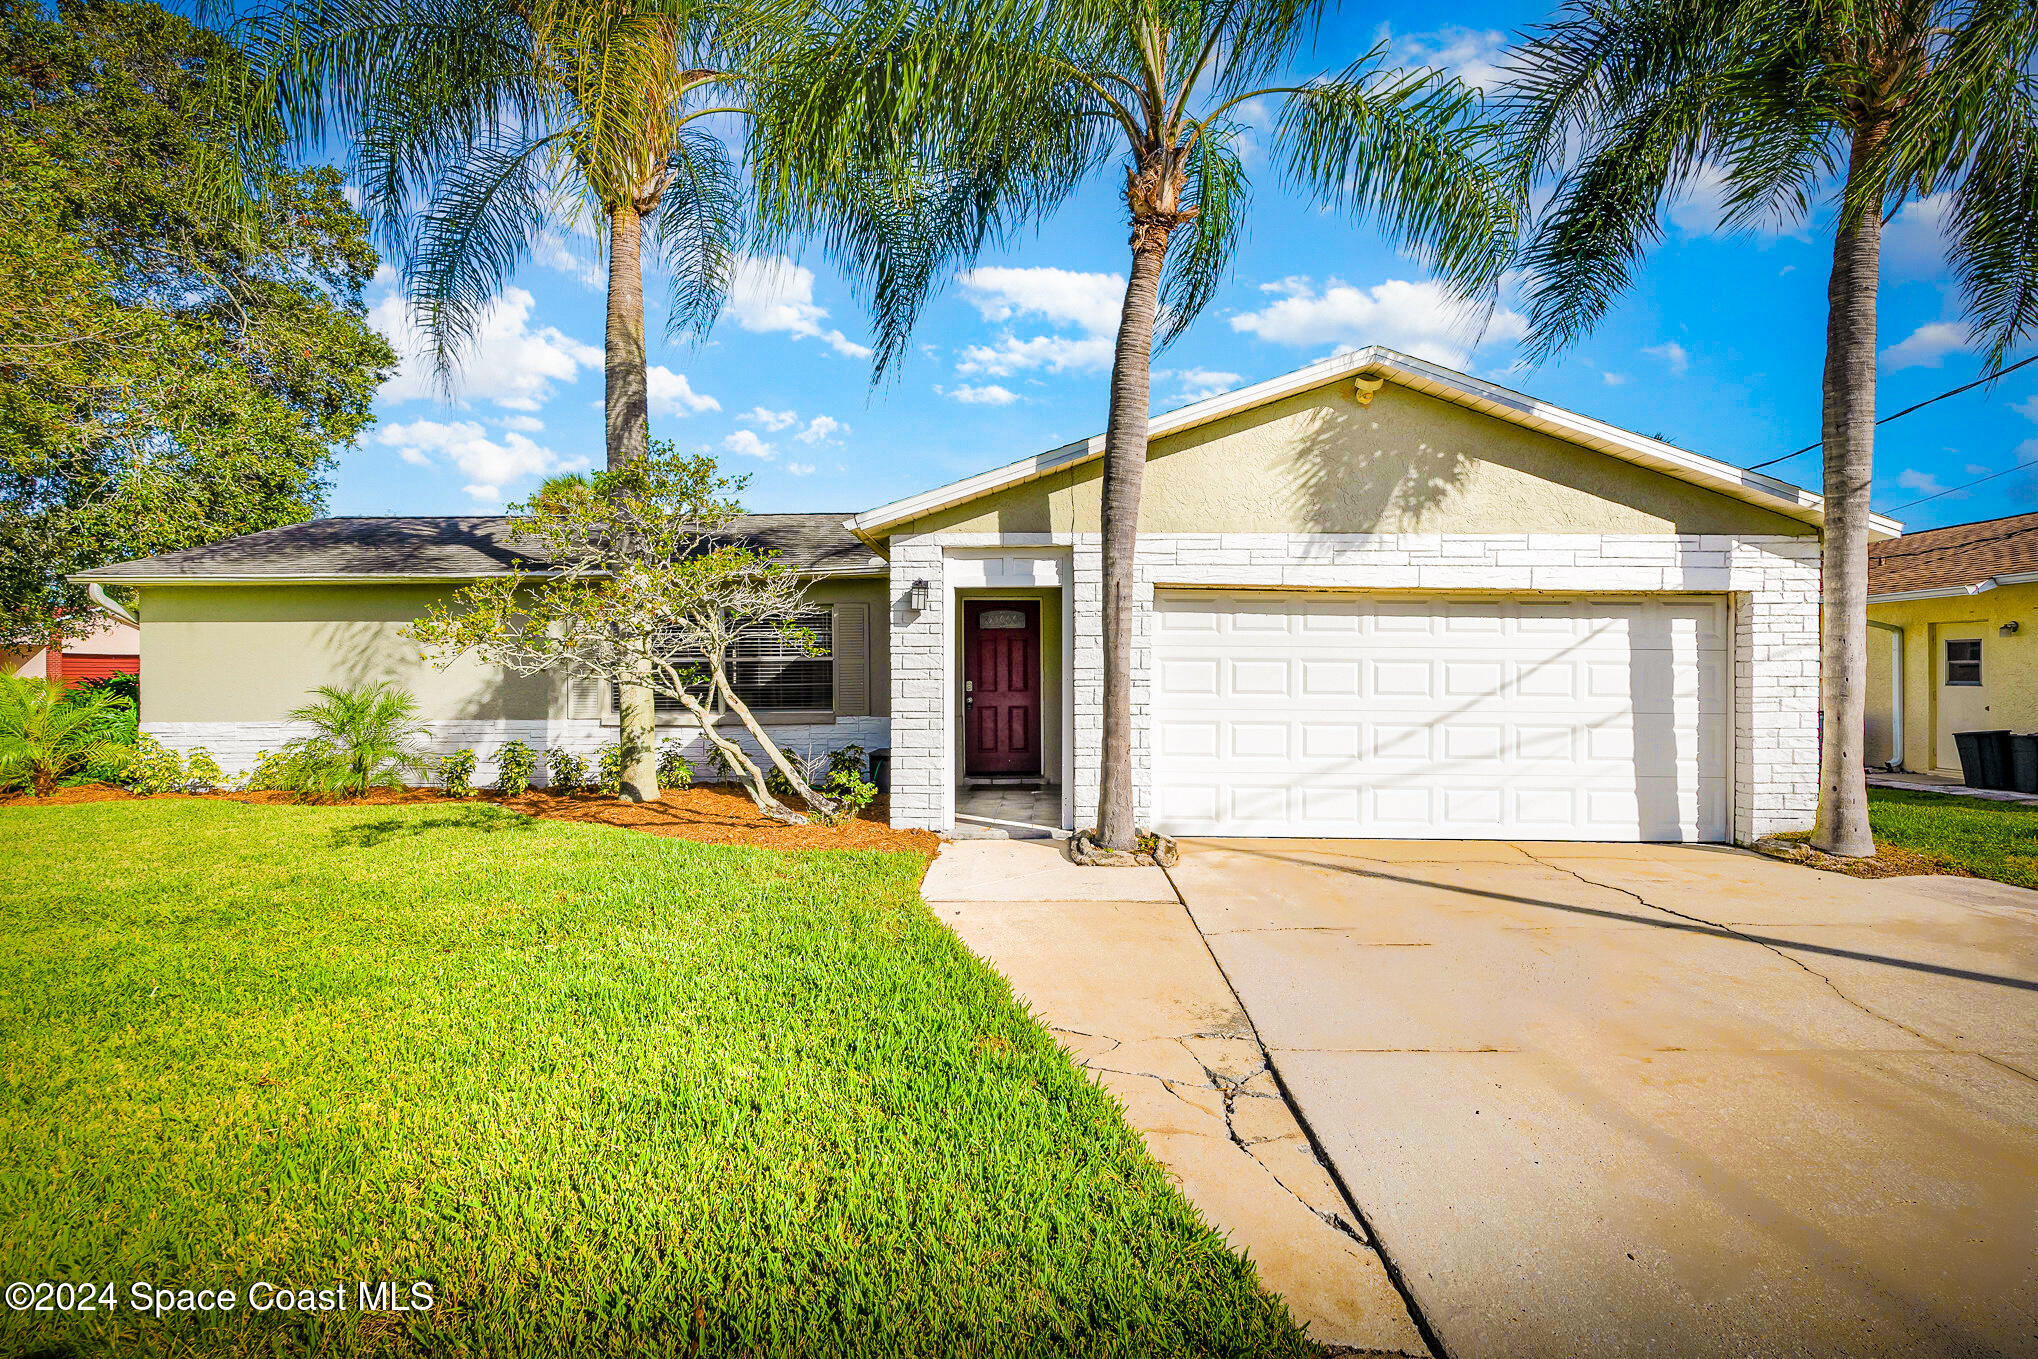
<point>1361,716</point>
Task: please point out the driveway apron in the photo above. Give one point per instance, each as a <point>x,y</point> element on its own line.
<point>1652,1099</point>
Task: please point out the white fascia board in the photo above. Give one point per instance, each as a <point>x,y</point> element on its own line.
<point>1942,592</point>
<point>364,578</point>
<point>1418,375</point>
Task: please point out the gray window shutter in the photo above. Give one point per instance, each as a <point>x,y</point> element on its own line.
<point>585,698</point>
<point>852,660</point>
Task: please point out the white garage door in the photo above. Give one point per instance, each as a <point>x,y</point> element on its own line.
<point>1361,715</point>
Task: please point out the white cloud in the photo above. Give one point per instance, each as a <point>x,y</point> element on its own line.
<point>774,294</point>
<point>1056,353</point>
<point>745,442</point>
<point>990,394</point>
<point>1196,384</point>
<point>576,254</point>
<point>1674,356</point>
<point>800,469</point>
<point>1420,318</point>
<point>672,394</point>
<point>522,424</point>
<point>508,362</point>
<point>820,429</point>
<point>1614,379</point>
<point>1924,483</point>
<point>1090,302</point>
<point>1473,55</point>
<point>767,419</point>
<point>1927,346</point>
<point>1914,243</point>
<point>1975,469</point>
<point>489,465</point>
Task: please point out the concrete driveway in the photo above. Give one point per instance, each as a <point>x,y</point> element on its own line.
<point>1598,1099</point>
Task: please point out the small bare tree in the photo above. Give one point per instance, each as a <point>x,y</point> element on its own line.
<point>643,585</point>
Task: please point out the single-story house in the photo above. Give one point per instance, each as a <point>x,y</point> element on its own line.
<point>1376,597</point>
<point>1949,650</point>
<point>113,647</point>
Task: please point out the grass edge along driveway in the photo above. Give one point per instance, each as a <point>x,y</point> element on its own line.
<point>603,1090</point>
<point>1988,839</point>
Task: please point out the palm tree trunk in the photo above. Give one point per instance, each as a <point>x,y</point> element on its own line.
<point>1124,473</point>
<point>1849,435</point>
<point>627,410</point>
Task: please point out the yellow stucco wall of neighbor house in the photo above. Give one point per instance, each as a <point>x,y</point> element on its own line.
<point>2007,697</point>
<point>251,653</point>
<point>1318,462</point>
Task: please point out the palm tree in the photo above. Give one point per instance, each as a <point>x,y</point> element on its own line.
<point>970,120</point>
<point>482,124</point>
<point>1857,105</point>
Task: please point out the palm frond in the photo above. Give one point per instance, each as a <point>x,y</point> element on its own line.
<point>1221,193</point>
<point>700,218</point>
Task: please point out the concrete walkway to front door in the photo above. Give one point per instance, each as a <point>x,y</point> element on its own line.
<point>1111,962</point>
<point>1662,1100</point>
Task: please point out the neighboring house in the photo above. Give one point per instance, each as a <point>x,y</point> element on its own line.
<point>113,648</point>
<point>1375,598</point>
<point>1954,640</point>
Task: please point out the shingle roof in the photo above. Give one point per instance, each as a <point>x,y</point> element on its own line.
<point>1953,557</point>
<point>453,545</point>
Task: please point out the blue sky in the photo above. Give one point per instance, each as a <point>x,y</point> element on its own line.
<point>1718,349</point>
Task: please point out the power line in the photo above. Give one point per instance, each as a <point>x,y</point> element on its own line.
<point>2000,372</point>
<point>2017,467</point>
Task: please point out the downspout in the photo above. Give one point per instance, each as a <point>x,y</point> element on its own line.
<point>1896,693</point>
<point>100,599</point>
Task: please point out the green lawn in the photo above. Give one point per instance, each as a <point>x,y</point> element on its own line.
<point>630,1093</point>
<point>1989,839</point>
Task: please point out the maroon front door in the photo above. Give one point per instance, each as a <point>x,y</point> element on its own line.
<point>1001,685</point>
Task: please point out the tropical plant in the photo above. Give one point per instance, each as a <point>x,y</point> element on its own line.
<point>483,125</point>
<point>955,123</point>
<point>456,773</point>
<point>1855,105</point>
<point>674,771</point>
<point>363,737</point>
<point>565,772</point>
<point>515,764</point>
<point>269,772</point>
<point>47,739</point>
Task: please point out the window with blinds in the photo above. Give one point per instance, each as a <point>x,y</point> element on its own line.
<point>770,673</point>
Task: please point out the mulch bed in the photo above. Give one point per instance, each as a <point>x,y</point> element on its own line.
<point>716,814</point>
<point>1888,861</point>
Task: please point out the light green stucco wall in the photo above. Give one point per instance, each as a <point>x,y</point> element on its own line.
<point>2009,665</point>
<point>1318,462</point>
<point>251,653</point>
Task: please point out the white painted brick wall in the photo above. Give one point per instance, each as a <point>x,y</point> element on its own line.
<point>1773,583</point>
<point>236,744</point>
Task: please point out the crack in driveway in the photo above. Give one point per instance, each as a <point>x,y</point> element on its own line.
<point>1780,949</point>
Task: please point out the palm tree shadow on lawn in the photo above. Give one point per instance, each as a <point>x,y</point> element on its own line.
<point>367,834</point>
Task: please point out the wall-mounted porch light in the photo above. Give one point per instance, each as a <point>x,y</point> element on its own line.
<point>916,598</point>
<point>2008,629</point>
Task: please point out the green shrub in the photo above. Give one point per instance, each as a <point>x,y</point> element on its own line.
<point>673,769</point>
<point>778,784</point>
<point>608,769</point>
<point>515,764</point>
<point>456,773</point>
<point>271,771</point>
<point>851,791</point>
<point>564,771</point>
<point>364,737</point>
<point>155,768</point>
<point>202,773</point>
<point>48,739</point>
<point>724,770</point>
<point>853,759</point>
